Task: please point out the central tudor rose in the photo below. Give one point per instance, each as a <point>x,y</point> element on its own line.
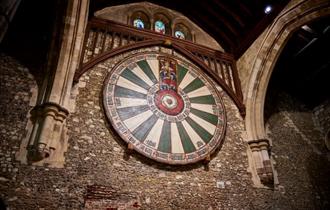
<point>169,102</point>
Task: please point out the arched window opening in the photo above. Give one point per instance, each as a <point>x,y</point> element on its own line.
<point>160,27</point>
<point>182,32</point>
<point>138,23</point>
<point>140,20</point>
<point>179,35</point>
<point>162,24</point>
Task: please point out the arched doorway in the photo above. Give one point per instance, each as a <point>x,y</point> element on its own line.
<point>261,70</point>
<point>294,114</point>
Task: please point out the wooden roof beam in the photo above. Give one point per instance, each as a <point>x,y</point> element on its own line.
<point>218,16</point>
<point>225,8</point>
<point>215,31</point>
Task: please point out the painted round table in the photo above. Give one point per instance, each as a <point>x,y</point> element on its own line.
<point>164,106</point>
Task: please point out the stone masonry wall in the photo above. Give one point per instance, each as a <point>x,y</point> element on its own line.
<point>246,61</point>
<point>322,120</point>
<point>94,145</point>
<point>299,153</point>
<point>16,87</point>
<point>96,155</point>
<point>322,116</point>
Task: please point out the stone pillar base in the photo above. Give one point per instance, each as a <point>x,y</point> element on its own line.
<point>262,160</point>
<point>45,140</point>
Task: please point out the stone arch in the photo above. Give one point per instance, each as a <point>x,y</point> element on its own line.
<point>136,8</point>
<point>182,20</point>
<point>164,11</point>
<point>296,14</point>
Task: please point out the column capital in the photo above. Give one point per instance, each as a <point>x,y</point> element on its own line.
<point>50,117</point>
<point>51,105</point>
<point>258,145</point>
<point>261,158</point>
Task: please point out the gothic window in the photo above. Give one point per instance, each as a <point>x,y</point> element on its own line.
<point>138,23</point>
<point>182,32</point>
<point>160,27</point>
<point>162,24</point>
<point>140,20</point>
<point>179,34</point>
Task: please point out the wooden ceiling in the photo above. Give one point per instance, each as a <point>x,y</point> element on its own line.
<point>234,24</point>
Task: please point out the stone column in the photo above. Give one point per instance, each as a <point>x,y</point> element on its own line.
<point>152,23</point>
<point>261,159</point>
<point>46,140</point>
<point>193,36</point>
<point>48,122</point>
<point>172,28</point>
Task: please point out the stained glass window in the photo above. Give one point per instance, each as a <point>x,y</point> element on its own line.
<point>160,27</point>
<point>182,32</point>
<point>138,23</point>
<point>179,34</point>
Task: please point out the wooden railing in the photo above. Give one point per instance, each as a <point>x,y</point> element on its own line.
<point>105,38</point>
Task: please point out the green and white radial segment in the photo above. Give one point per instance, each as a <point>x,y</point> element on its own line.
<point>143,74</point>
<point>155,133</point>
<point>149,70</point>
<point>176,143</point>
<point>129,102</point>
<point>154,65</point>
<point>205,107</point>
<point>123,82</point>
<point>135,121</point>
<point>187,79</point>
<point>209,127</point>
<point>202,91</point>
<point>195,138</point>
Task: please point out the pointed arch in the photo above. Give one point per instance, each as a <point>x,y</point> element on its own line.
<point>290,19</point>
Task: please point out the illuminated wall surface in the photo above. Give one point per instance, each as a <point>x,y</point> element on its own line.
<point>150,129</point>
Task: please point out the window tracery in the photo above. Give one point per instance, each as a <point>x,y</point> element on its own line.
<point>161,23</point>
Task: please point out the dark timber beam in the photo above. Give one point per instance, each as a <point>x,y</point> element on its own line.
<point>230,12</point>
<point>219,16</point>
<point>217,31</point>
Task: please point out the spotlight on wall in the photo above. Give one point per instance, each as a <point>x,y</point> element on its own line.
<point>268,9</point>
